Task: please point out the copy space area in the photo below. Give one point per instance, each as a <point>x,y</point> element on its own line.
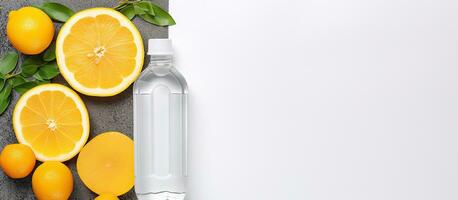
<point>320,100</point>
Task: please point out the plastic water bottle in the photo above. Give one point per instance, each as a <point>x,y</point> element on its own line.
<point>160,98</point>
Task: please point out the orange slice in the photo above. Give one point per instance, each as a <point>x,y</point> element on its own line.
<point>99,52</point>
<point>106,164</point>
<point>53,120</point>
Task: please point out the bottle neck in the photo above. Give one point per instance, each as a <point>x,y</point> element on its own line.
<point>157,61</point>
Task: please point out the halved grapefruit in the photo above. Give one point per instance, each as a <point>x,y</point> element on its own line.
<point>99,52</point>
<point>52,120</point>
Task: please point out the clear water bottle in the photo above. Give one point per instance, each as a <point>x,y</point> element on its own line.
<point>160,98</point>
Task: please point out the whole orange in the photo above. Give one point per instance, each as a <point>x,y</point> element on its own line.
<point>29,30</point>
<point>17,160</point>
<point>52,181</point>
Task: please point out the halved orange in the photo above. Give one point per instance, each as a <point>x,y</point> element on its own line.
<point>99,52</point>
<point>52,120</point>
<point>106,164</point>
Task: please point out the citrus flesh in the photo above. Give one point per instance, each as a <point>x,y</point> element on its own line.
<point>17,160</point>
<point>99,52</point>
<point>106,164</point>
<point>52,181</point>
<point>53,121</point>
<point>29,30</point>
<point>107,197</point>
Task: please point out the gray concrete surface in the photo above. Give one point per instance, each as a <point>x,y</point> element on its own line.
<point>109,113</point>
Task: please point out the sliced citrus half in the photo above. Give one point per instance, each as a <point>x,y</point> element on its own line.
<point>106,164</point>
<point>99,52</point>
<point>52,120</point>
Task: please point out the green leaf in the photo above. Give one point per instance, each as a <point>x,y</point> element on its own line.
<point>22,88</point>
<point>17,80</point>
<point>41,82</point>
<point>128,11</point>
<point>4,104</point>
<point>29,70</point>
<point>5,97</point>
<point>38,77</point>
<point>8,62</point>
<point>33,60</point>
<point>50,53</point>
<point>47,71</point>
<point>121,5</point>
<point>31,65</point>
<point>138,10</point>
<point>161,17</point>
<point>6,91</point>
<point>2,83</point>
<point>144,7</point>
<point>57,11</point>
<point>147,18</point>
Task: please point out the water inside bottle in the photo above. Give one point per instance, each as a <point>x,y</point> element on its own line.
<point>160,99</point>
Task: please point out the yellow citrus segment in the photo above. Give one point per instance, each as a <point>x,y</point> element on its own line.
<point>53,121</point>
<point>99,52</point>
<point>106,164</point>
<point>31,132</point>
<point>33,117</point>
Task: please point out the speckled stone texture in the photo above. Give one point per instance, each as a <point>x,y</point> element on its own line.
<point>106,114</point>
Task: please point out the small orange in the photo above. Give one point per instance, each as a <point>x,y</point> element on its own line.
<point>107,197</point>
<point>29,30</point>
<point>52,181</point>
<point>17,160</point>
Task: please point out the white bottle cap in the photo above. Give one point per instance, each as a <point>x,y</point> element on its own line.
<point>160,47</point>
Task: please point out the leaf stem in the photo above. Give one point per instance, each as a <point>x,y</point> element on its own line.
<point>8,76</point>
